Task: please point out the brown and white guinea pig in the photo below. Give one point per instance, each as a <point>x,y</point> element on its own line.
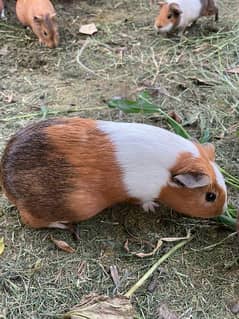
<point>2,13</point>
<point>62,171</point>
<point>177,15</point>
<point>40,16</point>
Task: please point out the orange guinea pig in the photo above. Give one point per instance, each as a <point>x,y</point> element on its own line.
<point>40,15</point>
<point>2,15</point>
<point>62,171</point>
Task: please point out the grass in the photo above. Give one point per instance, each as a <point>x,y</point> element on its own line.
<point>187,76</point>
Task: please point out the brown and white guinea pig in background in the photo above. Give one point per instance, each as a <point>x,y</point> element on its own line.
<point>2,13</point>
<point>40,16</point>
<point>62,171</point>
<point>177,15</point>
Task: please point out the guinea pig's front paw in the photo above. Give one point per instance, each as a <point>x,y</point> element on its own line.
<point>149,206</point>
<point>2,14</point>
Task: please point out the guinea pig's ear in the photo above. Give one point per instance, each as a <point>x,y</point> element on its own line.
<point>53,15</point>
<point>161,4</point>
<point>190,180</point>
<point>37,19</point>
<point>175,9</point>
<point>210,150</point>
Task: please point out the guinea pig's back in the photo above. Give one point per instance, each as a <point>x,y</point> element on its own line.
<point>60,168</point>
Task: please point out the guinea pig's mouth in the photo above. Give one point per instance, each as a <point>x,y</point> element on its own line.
<point>163,30</point>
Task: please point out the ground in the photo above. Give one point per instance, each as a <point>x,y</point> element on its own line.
<point>39,281</point>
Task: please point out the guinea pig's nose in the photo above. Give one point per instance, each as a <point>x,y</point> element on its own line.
<point>157,27</point>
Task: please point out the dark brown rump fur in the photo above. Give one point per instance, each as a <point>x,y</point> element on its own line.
<point>209,8</point>
<point>35,175</point>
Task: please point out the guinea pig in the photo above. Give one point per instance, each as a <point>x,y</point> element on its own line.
<point>40,16</point>
<point>179,14</point>
<point>62,171</point>
<point>2,13</point>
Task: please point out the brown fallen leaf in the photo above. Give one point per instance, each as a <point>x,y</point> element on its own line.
<point>102,307</point>
<point>88,29</point>
<point>198,81</point>
<point>175,116</point>
<point>115,275</point>
<point>164,313</point>
<point>233,70</point>
<point>81,269</point>
<point>61,244</point>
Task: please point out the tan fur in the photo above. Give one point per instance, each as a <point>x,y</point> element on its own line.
<point>183,199</point>
<point>40,16</point>
<point>96,168</point>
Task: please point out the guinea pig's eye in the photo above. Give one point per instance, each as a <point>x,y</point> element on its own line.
<point>45,33</point>
<point>210,197</point>
<point>170,16</point>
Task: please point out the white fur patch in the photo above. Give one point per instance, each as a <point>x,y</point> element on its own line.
<point>191,10</point>
<point>149,206</point>
<point>220,181</point>
<point>145,153</point>
<point>60,225</point>
<point>165,29</point>
<point>3,14</point>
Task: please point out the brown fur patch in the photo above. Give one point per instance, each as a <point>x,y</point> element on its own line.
<point>192,201</point>
<point>97,181</point>
<point>209,8</point>
<point>61,170</point>
<point>162,19</point>
<point>34,174</point>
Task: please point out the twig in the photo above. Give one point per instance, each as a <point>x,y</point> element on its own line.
<point>142,280</point>
<point>79,55</point>
<point>217,244</point>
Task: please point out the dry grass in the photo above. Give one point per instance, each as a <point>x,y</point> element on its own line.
<point>37,280</point>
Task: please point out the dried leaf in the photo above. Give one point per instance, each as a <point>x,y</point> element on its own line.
<point>233,70</point>
<point>153,283</point>
<point>126,246</point>
<point>115,275</point>
<point>2,246</point>
<point>81,269</point>
<point>102,307</point>
<point>164,313</point>
<point>175,116</point>
<point>198,81</point>
<point>61,244</point>
<point>88,29</point>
